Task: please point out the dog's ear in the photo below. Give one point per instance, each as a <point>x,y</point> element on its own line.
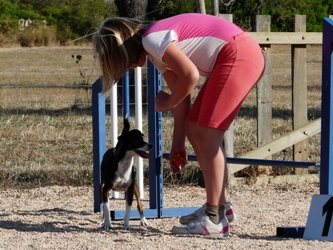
<point>126,125</point>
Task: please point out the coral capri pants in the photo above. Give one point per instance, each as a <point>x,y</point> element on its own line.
<point>239,66</point>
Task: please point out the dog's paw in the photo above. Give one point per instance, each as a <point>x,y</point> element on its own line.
<point>105,225</point>
<point>144,222</point>
<point>126,226</point>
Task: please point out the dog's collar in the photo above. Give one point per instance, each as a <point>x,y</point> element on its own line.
<point>120,144</point>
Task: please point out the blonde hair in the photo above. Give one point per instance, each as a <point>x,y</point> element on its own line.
<point>117,45</point>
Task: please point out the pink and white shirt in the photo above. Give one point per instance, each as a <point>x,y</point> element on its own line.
<point>201,37</point>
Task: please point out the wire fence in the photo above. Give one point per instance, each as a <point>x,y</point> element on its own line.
<point>45,107</point>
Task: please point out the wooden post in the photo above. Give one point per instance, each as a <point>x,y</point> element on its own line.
<point>299,92</point>
<point>228,17</point>
<point>264,88</point>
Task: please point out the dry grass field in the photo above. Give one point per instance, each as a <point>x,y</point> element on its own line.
<point>46,122</point>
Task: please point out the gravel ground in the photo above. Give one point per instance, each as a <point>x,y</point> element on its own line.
<point>58,217</point>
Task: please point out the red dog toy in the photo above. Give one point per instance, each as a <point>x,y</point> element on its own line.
<point>177,159</point>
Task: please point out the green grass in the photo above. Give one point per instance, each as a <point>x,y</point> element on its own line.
<point>46,123</point>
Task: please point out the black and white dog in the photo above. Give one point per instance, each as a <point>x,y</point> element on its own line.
<point>118,174</point>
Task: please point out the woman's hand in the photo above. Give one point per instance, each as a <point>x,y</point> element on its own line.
<point>178,160</point>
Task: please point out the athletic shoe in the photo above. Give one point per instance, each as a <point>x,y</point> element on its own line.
<point>230,211</point>
<point>204,226</point>
<point>230,214</point>
<point>184,220</point>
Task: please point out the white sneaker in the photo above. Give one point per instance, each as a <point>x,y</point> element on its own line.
<point>204,226</point>
<point>229,212</point>
<point>184,220</point>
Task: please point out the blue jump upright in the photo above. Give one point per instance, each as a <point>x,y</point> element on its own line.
<point>156,209</point>
<point>126,96</point>
<point>99,138</point>
<point>326,156</point>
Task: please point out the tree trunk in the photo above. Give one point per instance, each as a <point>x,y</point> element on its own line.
<point>201,6</point>
<point>133,9</point>
<point>215,7</point>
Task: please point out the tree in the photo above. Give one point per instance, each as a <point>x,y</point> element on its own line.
<point>160,9</point>
<point>200,5</point>
<point>245,12</point>
<point>133,9</point>
<point>72,17</point>
<point>225,6</point>
<point>282,13</point>
<point>9,10</point>
<point>215,7</point>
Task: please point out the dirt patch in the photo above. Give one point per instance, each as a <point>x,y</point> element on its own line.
<point>59,217</point>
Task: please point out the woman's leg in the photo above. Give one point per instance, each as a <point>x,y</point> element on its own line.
<point>238,67</point>
<point>207,145</point>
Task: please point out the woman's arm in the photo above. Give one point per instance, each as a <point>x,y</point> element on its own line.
<point>179,113</point>
<point>187,75</point>
<point>181,81</point>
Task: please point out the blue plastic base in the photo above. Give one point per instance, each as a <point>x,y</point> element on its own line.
<point>290,232</point>
<point>152,213</point>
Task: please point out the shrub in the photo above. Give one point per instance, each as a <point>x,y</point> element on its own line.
<point>37,35</point>
<point>8,32</point>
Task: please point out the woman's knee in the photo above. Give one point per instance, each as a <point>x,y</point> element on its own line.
<point>201,134</point>
<point>194,132</point>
